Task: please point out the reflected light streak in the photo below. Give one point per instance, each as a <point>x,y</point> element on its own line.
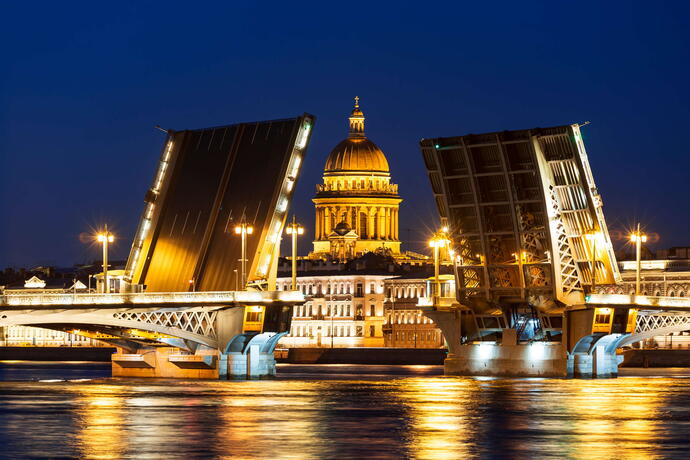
<point>101,421</point>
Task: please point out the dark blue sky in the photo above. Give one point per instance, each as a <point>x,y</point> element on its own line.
<point>82,86</point>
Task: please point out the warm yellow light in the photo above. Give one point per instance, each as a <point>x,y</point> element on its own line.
<point>238,230</point>
<point>451,253</point>
<point>437,242</point>
<point>445,229</point>
<point>638,237</point>
<point>300,230</point>
<point>288,230</point>
<point>111,238</point>
<point>100,237</point>
<point>250,230</point>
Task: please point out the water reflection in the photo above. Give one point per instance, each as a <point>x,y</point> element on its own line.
<point>100,420</point>
<point>439,411</point>
<point>396,416</point>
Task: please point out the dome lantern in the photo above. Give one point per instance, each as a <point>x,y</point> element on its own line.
<point>356,153</point>
<point>357,121</point>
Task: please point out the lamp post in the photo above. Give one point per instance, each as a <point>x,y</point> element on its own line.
<point>294,229</point>
<point>105,237</point>
<point>638,238</point>
<point>439,240</point>
<point>243,230</point>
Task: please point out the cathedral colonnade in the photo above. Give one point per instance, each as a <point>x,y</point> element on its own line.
<point>369,222</point>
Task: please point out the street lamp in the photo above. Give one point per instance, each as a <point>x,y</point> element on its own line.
<point>105,238</point>
<point>438,241</point>
<point>243,230</point>
<point>294,229</point>
<point>638,238</point>
<point>593,236</point>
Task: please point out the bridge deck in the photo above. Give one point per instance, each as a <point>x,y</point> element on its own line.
<point>643,302</point>
<point>150,299</point>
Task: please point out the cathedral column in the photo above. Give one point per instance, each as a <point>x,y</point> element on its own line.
<point>327,219</point>
<point>317,234</point>
<point>395,224</point>
<point>356,227</point>
<point>370,224</point>
<point>382,223</point>
<point>387,211</point>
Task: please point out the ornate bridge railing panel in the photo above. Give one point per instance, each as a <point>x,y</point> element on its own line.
<point>200,322</point>
<point>651,322</point>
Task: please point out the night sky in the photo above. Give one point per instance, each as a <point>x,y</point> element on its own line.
<point>82,87</point>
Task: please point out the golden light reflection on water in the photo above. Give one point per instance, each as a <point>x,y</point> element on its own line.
<point>100,421</point>
<point>439,416</point>
<point>399,417</point>
<point>262,415</point>
<point>614,416</point>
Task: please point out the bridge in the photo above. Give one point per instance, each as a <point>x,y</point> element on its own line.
<point>529,244</point>
<point>196,299</point>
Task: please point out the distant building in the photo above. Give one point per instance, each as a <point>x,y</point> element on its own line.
<point>373,306</point>
<point>669,277</point>
<point>18,336</point>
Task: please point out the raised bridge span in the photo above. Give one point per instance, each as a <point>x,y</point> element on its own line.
<point>530,244</point>
<point>209,183</point>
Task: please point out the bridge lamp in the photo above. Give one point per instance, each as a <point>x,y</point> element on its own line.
<point>437,242</point>
<point>105,238</point>
<point>638,238</point>
<point>243,230</point>
<point>294,229</point>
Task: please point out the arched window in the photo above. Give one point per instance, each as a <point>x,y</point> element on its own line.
<point>363,230</point>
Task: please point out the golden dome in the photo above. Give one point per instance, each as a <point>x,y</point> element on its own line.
<point>356,153</point>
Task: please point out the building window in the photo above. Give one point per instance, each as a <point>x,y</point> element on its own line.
<point>359,292</point>
<point>372,331</point>
<point>372,288</point>
<point>372,311</point>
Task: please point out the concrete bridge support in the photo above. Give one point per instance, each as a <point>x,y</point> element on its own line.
<point>595,356</point>
<point>507,358</point>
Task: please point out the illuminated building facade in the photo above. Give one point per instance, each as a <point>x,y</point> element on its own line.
<point>357,205</point>
<point>360,310</point>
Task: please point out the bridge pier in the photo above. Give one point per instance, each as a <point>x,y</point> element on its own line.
<point>166,362</point>
<point>246,356</point>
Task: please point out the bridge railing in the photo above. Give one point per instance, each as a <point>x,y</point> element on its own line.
<point>189,298</point>
<point>642,301</point>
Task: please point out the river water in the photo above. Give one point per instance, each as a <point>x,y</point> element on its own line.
<point>74,410</point>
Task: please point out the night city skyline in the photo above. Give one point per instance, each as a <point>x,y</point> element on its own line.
<point>425,230</point>
<point>79,112</point>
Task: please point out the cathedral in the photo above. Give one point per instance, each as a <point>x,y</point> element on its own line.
<point>357,205</point>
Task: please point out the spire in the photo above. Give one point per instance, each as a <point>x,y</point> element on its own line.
<point>357,121</point>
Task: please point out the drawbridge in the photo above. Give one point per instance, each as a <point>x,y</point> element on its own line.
<point>526,226</point>
<point>197,298</point>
